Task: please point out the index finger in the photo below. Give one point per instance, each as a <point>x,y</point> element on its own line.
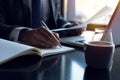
<point>49,35</point>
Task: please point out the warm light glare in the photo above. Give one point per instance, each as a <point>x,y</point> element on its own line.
<point>87,8</point>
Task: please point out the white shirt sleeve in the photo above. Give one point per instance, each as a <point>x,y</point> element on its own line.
<point>67,24</point>
<point>14,35</point>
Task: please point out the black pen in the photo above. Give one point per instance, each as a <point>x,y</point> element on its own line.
<point>43,23</point>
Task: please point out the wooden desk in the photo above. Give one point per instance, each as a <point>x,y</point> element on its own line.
<point>69,66</point>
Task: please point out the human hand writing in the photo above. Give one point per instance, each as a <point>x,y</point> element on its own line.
<point>40,37</point>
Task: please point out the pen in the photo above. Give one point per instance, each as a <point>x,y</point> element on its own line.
<point>44,24</point>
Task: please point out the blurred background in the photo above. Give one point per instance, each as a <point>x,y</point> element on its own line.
<point>82,10</point>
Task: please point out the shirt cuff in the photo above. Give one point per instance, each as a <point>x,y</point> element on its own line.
<point>14,35</point>
<point>67,24</point>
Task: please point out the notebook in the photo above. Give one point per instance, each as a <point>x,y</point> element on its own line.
<point>78,40</point>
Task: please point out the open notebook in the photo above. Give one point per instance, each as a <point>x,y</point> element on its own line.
<point>10,50</point>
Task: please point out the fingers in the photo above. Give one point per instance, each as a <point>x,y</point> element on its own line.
<point>74,24</point>
<point>56,35</point>
<point>44,38</point>
<point>52,37</point>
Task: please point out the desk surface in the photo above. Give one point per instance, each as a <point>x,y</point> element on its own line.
<point>69,66</point>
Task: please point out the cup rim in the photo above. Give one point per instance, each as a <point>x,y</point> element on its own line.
<point>109,44</point>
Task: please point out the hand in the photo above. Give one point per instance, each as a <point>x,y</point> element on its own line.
<point>74,32</point>
<point>40,37</point>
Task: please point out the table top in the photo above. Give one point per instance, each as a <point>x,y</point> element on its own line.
<point>69,66</point>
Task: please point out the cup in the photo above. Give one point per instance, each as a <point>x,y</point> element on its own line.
<point>99,54</point>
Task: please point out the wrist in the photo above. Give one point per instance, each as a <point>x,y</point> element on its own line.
<point>22,35</point>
